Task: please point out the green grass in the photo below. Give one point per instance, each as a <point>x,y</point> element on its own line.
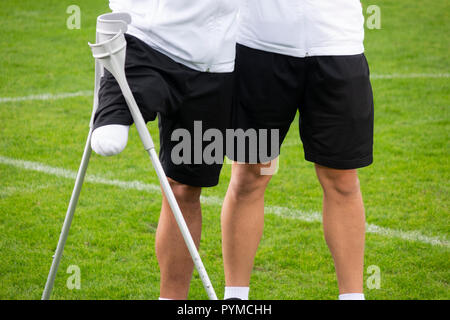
<point>113,232</point>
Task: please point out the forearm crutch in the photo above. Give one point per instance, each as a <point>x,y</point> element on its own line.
<point>109,53</point>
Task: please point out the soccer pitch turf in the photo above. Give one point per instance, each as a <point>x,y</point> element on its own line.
<point>46,79</point>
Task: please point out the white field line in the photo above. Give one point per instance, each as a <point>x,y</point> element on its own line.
<point>292,143</point>
<point>410,76</point>
<point>87,93</point>
<point>48,96</point>
<point>282,212</point>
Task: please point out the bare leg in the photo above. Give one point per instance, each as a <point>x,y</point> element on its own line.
<point>242,222</point>
<point>175,262</point>
<point>344,225</point>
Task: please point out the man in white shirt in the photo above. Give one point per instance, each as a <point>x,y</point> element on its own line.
<point>304,55</point>
<point>179,64</point>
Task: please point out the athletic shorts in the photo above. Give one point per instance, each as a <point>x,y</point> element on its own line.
<point>333,95</point>
<point>179,96</point>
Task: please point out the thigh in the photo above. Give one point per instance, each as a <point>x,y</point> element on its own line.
<point>267,94</point>
<point>203,116</point>
<point>336,117</point>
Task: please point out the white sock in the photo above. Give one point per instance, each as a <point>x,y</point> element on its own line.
<point>352,296</point>
<point>164,298</point>
<point>237,292</point>
<point>109,140</point>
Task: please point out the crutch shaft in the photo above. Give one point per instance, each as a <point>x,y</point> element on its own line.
<point>68,219</point>
<point>150,148</point>
<point>182,225</point>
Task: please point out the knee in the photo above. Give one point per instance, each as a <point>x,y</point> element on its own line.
<point>247,181</point>
<point>186,195</point>
<point>109,140</point>
<point>344,183</point>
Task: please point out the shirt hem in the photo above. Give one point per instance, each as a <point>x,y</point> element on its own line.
<point>345,49</point>
<point>222,67</point>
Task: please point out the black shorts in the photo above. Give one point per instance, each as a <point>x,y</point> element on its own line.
<point>333,95</point>
<point>179,96</point>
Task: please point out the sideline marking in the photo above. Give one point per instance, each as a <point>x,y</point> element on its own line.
<point>48,96</point>
<point>282,212</point>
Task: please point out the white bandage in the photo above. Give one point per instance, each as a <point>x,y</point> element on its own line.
<point>110,140</point>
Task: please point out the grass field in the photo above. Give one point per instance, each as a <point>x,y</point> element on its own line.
<point>406,190</point>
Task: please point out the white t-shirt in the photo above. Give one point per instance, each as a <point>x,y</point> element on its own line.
<point>302,28</point>
<point>200,34</point>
